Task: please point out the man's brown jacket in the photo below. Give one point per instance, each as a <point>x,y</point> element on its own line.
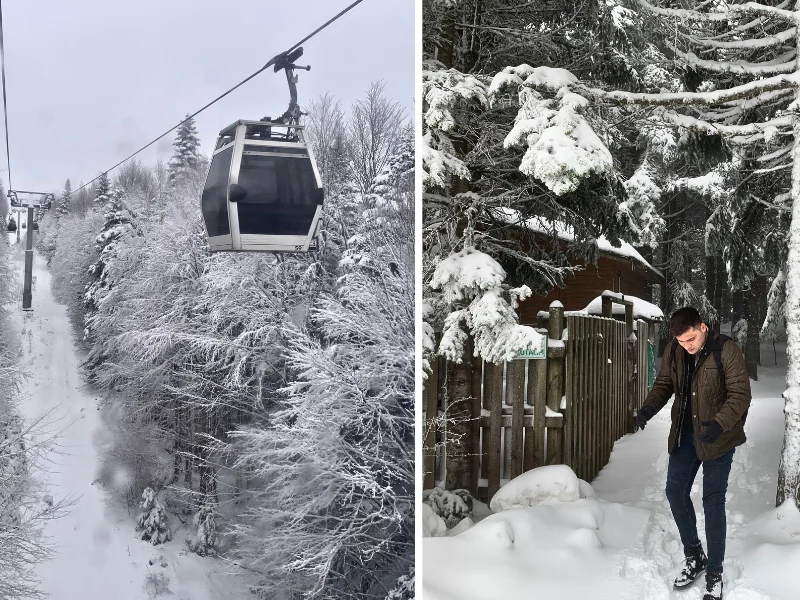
<point>709,401</point>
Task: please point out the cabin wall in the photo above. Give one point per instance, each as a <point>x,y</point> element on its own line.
<point>616,275</point>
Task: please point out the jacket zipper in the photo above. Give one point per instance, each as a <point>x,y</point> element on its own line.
<point>680,416</point>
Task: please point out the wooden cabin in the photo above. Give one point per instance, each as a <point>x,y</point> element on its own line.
<point>622,270</point>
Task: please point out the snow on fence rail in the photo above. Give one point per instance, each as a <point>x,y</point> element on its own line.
<point>569,408</point>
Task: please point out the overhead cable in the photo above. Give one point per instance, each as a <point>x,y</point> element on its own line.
<point>218,98</point>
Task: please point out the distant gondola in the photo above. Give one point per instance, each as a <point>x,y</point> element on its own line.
<point>263,192</point>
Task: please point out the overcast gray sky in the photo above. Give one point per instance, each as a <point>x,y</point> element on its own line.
<point>90,81</point>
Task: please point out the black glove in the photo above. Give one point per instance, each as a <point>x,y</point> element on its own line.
<point>712,432</point>
<point>644,415</point>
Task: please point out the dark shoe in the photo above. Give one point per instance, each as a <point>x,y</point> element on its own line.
<point>713,586</point>
<point>694,564</point>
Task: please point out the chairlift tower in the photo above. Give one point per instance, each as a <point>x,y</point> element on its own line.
<point>30,201</point>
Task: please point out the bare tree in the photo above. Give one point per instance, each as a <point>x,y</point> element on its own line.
<point>24,507</point>
<point>327,133</point>
<point>375,125</point>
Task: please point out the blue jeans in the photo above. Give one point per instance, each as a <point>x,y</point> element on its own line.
<point>683,467</point>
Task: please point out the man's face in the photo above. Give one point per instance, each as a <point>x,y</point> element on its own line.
<point>693,338</point>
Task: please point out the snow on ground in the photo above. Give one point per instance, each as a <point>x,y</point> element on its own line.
<point>98,556</point>
<point>624,545</point>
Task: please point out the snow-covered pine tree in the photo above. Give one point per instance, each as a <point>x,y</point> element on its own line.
<point>152,521</point>
<point>185,150</point>
<point>102,192</point>
<point>512,161</point>
<point>118,222</point>
<point>404,589</point>
<point>64,201</point>
<point>205,541</point>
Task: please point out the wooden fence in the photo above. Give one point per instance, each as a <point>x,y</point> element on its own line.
<point>597,375</point>
<point>569,408</point>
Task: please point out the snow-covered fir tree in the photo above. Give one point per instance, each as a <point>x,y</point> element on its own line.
<point>185,150</point>
<point>119,221</point>
<point>64,200</point>
<point>102,191</point>
<point>152,521</point>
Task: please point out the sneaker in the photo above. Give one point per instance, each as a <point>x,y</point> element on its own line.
<point>694,564</point>
<point>713,586</point>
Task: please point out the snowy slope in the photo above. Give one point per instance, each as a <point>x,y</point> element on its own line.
<point>98,555</point>
<point>624,545</point>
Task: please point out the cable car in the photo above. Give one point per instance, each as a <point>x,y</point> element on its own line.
<point>263,192</point>
<point>35,226</point>
<point>12,224</point>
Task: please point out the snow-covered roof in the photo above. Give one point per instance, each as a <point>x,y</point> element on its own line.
<point>641,308</point>
<point>564,232</point>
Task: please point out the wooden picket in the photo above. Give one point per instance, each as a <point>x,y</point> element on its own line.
<point>595,403</point>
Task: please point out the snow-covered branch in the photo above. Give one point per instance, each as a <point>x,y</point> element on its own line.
<point>746,90</point>
<point>730,13</point>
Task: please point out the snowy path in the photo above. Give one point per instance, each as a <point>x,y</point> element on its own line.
<point>624,544</point>
<point>637,473</point>
<point>98,556</point>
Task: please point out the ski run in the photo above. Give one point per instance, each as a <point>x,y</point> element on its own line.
<point>98,555</point>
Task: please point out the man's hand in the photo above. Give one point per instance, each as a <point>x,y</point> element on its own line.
<point>644,415</point>
<point>711,433</point>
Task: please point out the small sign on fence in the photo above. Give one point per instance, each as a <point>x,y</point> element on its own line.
<point>539,354</point>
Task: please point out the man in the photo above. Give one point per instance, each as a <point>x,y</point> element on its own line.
<point>708,376</point>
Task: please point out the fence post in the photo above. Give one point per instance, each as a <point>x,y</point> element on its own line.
<point>631,391</point>
<point>606,305</point>
<point>493,392</point>
<point>475,454</point>
<point>555,382</point>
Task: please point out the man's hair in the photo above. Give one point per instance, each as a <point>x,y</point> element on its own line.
<point>682,319</point>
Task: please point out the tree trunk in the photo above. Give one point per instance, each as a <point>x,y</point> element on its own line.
<point>711,289</point>
<point>763,286</point>
<point>789,468</point>
<point>458,402</point>
<point>188,437</point>
<point>178,445</point>
<point>737,308</point>
<point>666,297</point>
<point>446,46</point>
<point>724,291</point>
<point>753,346</point>
<point>760,289</point>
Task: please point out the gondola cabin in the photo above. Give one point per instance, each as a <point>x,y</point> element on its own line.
<point>12,224</point>
<point>263,192</point>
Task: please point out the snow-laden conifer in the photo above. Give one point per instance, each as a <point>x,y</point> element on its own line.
<point>151,523</point>
<point>185,151</point>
